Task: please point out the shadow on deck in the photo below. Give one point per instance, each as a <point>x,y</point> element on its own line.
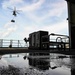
<point>67,51</point>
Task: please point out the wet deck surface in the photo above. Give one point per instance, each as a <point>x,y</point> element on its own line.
<point>54,64</point>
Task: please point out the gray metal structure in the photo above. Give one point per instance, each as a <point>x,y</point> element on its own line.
<point>35,40</point>
<point>71,21</point>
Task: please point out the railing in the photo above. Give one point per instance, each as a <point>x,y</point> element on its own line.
<point>60,41</point>
<point>12,43</point>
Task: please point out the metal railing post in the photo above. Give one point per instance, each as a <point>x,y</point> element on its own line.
<point>11,43</point>
<point>1,43</point>
<point>18,43</point>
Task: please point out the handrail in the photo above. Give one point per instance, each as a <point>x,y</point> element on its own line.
<point>63,40</point>
<point>11,43</point>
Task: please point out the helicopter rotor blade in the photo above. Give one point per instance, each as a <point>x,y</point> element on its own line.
<point>14,8</point>
<point>17,12</point>
<point>10,8</point>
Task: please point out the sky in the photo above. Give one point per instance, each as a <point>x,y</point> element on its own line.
<point>34,15</point>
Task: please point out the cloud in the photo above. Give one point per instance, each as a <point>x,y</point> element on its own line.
<point>54,10</point>
<point>36,14</point>
<point>32,7</point>
<point>58,28</point>
<point>8,29</point>
<point>11,3</point>
<point>58,8</point>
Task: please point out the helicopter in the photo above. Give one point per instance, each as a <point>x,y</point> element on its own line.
<point>14,11</point>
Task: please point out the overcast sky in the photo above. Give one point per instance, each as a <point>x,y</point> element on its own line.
<point>34,15</point>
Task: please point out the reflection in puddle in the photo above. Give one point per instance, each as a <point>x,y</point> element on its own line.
<point>37,64</point>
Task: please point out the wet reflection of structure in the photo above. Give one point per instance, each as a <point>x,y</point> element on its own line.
<point>38,60</point>
<point>72,71</point>
<point>72,59</point>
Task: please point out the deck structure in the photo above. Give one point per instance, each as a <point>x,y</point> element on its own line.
<point>19,46</point>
